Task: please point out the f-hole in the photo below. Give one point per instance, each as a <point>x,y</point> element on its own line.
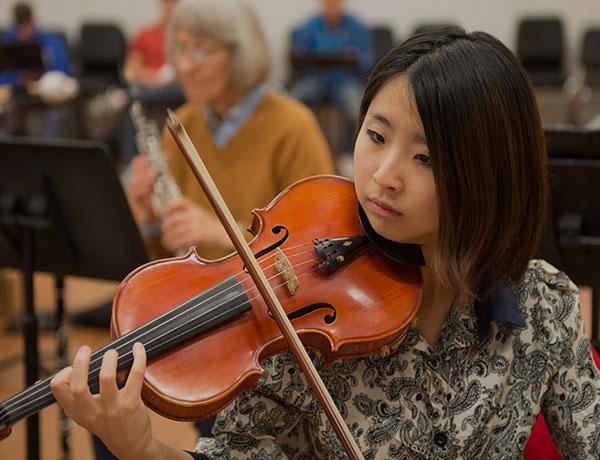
<point>329,318</point>
<point>276,229</point>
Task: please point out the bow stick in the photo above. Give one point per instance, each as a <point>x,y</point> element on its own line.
<point>266,291</point>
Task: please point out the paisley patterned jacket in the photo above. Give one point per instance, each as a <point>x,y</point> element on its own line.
<point>476,394</point>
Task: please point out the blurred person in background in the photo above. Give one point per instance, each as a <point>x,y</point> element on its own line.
<point>254,140</point>
<point>55,55</point>
<point>51,84</point>
<point>146,63</point>
<point>333,53</point>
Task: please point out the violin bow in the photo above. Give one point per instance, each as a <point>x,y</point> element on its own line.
<point>266,291</point>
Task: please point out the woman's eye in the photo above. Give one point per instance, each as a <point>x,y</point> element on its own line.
<point>424,159</point>
<point>375,136</point>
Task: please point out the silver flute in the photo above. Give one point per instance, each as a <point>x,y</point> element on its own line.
<point>147,138</point>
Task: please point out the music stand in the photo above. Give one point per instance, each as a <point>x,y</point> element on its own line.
<point>21,56</point>
<point>566,141</point>
<point>571,240</point>
<point>62,210</point>
<point>337,61</point>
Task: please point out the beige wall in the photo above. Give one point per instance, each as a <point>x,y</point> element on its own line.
<point>498,17</point>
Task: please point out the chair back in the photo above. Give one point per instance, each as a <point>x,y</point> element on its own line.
<point>590,56</point>
<point>540,48</point>
<point>383,41</point>
<point>101,52</point>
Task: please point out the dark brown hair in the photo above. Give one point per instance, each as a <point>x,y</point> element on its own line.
<point>22,13</point>
<point>488,153</point>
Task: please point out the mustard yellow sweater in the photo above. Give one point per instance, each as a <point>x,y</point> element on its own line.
<point>278,145</point>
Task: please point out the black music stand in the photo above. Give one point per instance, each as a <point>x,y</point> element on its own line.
<point>571,240</point>
<point>21,56</point>
<point>336,61</point>
<point>566,141</point>
<point>63,211</point>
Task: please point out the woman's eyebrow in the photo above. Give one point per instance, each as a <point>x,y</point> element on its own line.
<point>383,120</point>
<point>417,138</point>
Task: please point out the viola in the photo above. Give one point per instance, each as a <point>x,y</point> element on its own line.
<point>206,329</point>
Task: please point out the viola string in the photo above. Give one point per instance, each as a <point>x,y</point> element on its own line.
<point>38,387</point>
<point>23,402</point>
<point>9,403</point>
<point>126,356</point>
<point>148,345</point>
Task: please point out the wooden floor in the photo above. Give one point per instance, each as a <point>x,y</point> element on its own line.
<point>80,294</point>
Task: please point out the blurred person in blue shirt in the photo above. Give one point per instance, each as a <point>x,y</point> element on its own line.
<point>333,54</point>
<point>54,52</point>
<point>52,81</point>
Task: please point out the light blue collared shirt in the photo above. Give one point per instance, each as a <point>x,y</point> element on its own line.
<point>223,130</point>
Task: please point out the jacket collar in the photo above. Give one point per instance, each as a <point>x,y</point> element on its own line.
<point>503,306</point>
<point>224,130</point>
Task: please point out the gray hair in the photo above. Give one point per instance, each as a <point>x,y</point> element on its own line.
<point>232,22</point>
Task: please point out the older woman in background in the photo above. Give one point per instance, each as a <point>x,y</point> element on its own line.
<point>255,141</point>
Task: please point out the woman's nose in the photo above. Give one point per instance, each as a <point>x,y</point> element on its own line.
<point>185,66</point>
<point>389,173</point>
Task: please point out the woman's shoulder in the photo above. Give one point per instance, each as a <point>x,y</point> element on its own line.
<point>189,111</point>
<point>542,272</point>
<point>542,275</point>
<point>548,299</point>
<point>287,109</point>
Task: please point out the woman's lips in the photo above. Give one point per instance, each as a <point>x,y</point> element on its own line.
<point>382,209</point>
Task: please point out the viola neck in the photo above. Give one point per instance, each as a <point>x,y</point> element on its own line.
<point>195,316</point>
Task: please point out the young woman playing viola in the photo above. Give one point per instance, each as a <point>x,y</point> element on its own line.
<point>450,155</point>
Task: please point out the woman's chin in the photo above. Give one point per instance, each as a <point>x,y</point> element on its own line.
<point>384,228</point>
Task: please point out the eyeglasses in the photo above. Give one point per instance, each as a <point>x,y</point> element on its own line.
<point>198,53</point>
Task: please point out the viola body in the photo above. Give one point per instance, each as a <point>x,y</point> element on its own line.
<point>362,308</point>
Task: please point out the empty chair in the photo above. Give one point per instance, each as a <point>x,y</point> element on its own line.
<point>101,51</point>
<point>425,26</point>
<point>571,239</point>
<point>540,47</point>
<point>383,41</point>
<point>590,56</point>
<point>588,107</point>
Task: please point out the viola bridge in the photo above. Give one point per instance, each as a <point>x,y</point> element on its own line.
<point>285,269</point>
